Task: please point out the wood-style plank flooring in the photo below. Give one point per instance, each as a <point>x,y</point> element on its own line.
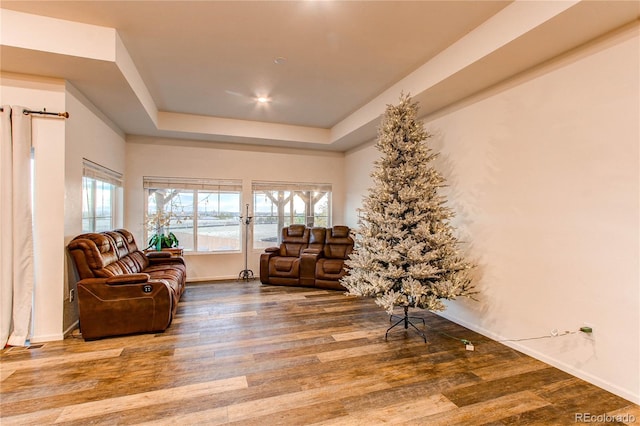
<point>247,354</point>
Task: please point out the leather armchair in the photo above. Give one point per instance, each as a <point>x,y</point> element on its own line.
<point>338,245</point>
<point>281,265</point>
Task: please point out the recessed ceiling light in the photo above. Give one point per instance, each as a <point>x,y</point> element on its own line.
<point>262,99</point>
<point>279,60</point>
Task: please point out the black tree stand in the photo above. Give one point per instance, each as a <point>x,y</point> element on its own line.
<point>246,273</point>
<point>406,319</point>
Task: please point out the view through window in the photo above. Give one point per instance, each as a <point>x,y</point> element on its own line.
<point>203,214</point>
<point>280,204</point>
<point>101,189</point>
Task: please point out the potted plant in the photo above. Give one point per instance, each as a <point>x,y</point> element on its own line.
<point>160,239</point>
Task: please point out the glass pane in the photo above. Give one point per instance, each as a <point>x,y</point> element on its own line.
<point>171,210</point>
<point>218,221</point>
<point>297,214</point>
<point>321,209</point>
<point>87,205</point>
<point>181,212</point>
<point>201,220</point>
<point>274,210</point>
<point>103,204</point>
<point>97,205</point>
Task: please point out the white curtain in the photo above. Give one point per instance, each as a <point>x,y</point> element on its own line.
<point>16,242</point>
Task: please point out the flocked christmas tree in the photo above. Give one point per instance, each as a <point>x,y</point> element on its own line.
<point>406,253</point>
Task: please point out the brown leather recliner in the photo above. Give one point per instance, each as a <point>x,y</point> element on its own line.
<point>281,265</point>
<point>122,290</point>
<point>308,257</point>
<point>338,245</point>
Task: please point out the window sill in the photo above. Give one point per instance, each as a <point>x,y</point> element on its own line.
<point>204,253</point>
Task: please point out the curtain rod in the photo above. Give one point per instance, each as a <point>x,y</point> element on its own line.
<point>43,112</point>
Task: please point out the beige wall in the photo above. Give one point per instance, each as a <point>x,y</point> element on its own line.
<point>358,166</point>
<point>59,148</point>
<point>543,173</point>
<point>49,149</point>
<point>92,136</point>
<point>153,157</point>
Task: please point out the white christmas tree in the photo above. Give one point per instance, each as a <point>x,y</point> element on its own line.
<point>406,252</point>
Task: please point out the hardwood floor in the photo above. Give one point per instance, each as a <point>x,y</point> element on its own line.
<point>242,353</point>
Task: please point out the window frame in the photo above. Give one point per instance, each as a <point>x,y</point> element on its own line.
<point>195,186</point>
<point>294,188</point>
<point>96,173</point>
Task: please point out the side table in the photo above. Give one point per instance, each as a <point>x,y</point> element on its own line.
<point>175,251</point>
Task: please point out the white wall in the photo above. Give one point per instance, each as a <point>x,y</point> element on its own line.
<point>59,147</point>
<point>49,149</point>
<point>359,165</point>
<point>544,177</point>
<point>160,157</point>
<point>90,135</point>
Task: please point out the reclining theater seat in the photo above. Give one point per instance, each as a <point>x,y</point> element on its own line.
<point>121,289</point>
<point>281,265</point>
<point>308,257</point>
<point>329,267</point>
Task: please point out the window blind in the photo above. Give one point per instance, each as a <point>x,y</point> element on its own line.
<point>221,185</point>
<point>290,186</point>
<point>101,173</point>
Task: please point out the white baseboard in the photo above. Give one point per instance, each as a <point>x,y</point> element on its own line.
<point>621,392</point>
<point>46,338</point>
<point>54,337</point>
<point>217,278</point>
<point>72,327</point>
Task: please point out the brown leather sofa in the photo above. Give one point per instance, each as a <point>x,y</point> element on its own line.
<point>123,290</point>
<point>308,257</point>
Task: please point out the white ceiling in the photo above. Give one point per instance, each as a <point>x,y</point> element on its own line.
<point>203,61</point>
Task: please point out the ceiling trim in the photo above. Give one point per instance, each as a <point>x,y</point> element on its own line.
<point>512,22</point>
<point>228,127</point>
<point>103,49</point>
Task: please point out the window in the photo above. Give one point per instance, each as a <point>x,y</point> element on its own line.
<point>101,197</point>
<point>203,214</point>
<point>279,204</point>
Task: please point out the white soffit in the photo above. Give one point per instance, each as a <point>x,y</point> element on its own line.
<point>97,62</point>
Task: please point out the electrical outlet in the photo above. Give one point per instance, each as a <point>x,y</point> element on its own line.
<point>584,330</point>
<point>72,295</point>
